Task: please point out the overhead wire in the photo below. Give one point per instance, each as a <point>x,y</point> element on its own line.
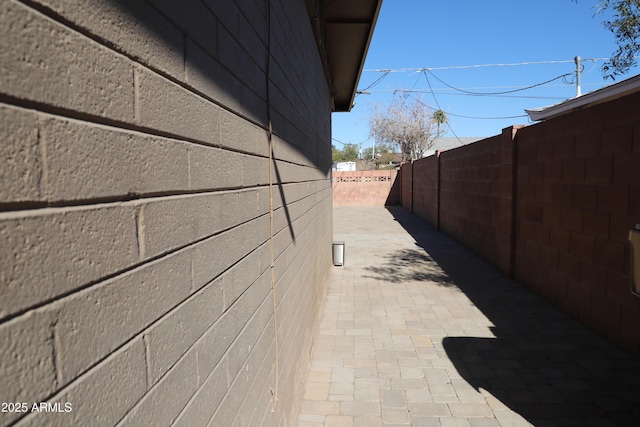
<point>437,90</point>
<point>440,108</point>
<point>459,67</point>
<point>464,91</point>
<point>375,82</point>
<point>467,117</point>
<point>485,118</point>
<point>350,143</point>
<point>496,93</point>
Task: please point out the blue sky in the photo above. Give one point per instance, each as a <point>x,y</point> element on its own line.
<point>437,34</point>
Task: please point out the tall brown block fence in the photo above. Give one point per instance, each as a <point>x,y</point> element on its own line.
<point>406,185</point>
<point>425,202</point>
<point>476,190</point>
<point>550,205</point>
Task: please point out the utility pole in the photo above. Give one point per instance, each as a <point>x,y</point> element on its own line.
<point>578,60</point>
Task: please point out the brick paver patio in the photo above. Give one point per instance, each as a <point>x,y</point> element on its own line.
<point>418,331</point>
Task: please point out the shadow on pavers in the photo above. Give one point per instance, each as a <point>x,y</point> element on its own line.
<point>542,364</point>
<point>407,265</point>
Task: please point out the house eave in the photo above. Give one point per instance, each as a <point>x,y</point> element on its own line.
<point>343,41</point>
<point>599,96</point>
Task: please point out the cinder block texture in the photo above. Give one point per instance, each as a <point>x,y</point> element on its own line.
<point>164,401</point>
<point>135,29</point>
<point>28,365</point>
<point>153,228</point>
<point>115,164</point>
<point>472,188</point>
<point>47,253</point>
<point>103,395</point>
<point>406,187</point>
<point>555,213</point>
<point>167,107</point>
<point>94,322</point>
<point>39,57</point>
<point>22,169</point>
<point>467,192</point>
<point>365,188</point>
<point>426,192</point>
<point>575,175</point>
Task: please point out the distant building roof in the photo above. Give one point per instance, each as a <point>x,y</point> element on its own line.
<point>443,144</point>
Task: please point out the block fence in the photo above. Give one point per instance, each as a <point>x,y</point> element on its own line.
<point>141,271</point>
<point>365,188</point>
<point>550,205</point>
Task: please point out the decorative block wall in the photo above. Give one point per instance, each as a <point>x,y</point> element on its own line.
<point>365,188</point>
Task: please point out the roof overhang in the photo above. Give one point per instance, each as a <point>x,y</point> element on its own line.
<point>599,96</point>
<point>344,29</point>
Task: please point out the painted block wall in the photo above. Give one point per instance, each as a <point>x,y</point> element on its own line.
<point>135,196</point>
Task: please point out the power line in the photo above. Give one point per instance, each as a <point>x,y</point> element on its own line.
<point>377,81</point>
<point>350,143</point>
<point>439,108</point>
<point>459,67</point>
<point>495,93</point>
<point>469,88</point>
<point>424,70</point>
<point>438,90</point>
<point>466,92</point>
<point>487,118</point>
<point>470,117</point>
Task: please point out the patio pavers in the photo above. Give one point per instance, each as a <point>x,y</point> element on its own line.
<point>416,330</point>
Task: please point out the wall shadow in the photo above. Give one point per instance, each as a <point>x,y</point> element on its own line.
<point>395,193</point>
<point>542,364</point>
<point>244,84</point>
<point>252,101</point>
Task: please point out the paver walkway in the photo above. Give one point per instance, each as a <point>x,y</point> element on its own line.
<point>418,331</point>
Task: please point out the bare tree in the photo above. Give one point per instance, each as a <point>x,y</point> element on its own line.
<point>406,124</point>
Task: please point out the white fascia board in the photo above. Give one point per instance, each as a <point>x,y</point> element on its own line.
<point>599,96</point>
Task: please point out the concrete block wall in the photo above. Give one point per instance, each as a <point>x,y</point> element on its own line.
<point>365,188</point>
<point>406,185</point>
<point>426,188</point>
<point>476,197</point>
<point>135,279</point>
<point>467,193</point>
<point>578,197</point>
<point>551,205</point>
